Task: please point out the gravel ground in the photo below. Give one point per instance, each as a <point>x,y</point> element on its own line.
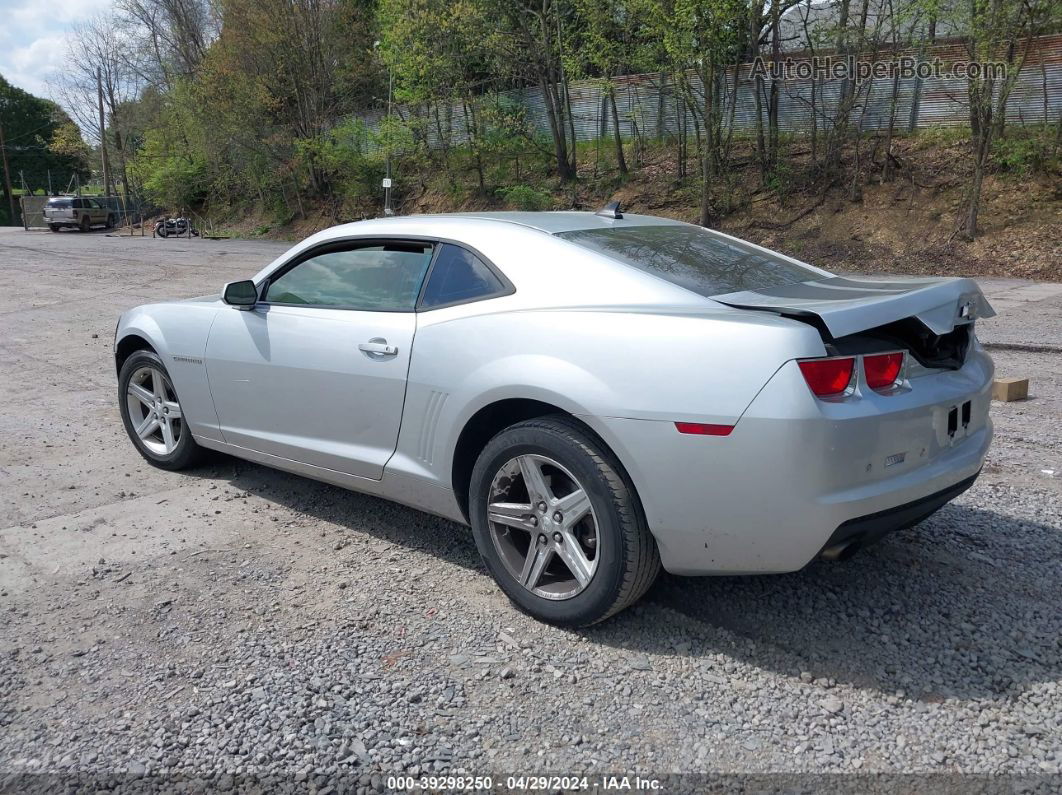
<point>238,624</point>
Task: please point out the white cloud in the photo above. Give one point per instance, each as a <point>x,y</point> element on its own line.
<point>32,38</point>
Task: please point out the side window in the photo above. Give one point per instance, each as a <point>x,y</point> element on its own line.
<point>459,275</point>
<point>381,278</point>
<point>78,204</point>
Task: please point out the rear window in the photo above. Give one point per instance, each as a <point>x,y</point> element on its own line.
<point>692,257</point>
<point>63,204</point>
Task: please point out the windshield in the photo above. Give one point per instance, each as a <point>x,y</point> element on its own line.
<point>692,257</point>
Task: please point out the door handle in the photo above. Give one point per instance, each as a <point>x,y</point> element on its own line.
<point>378,347</point>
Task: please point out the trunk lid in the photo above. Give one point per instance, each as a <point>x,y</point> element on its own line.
<point>845,306</point>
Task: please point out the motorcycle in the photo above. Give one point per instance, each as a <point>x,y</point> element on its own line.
<point>174,227</point>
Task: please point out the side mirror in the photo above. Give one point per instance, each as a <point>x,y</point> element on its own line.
<point>240,294</point>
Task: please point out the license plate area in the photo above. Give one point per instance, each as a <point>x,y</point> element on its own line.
<point>954,423</point>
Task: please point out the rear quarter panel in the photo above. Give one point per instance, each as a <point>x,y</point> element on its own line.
<point>698,366</point>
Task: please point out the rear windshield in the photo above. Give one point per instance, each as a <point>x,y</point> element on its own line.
<point>63,203</point>
<point>692,257</point>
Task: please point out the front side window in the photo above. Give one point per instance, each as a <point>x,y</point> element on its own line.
<point>459,275</point>
<point>381,278</point>
<point>692,257</point>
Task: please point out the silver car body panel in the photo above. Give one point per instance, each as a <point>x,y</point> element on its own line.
<point>627,352</point>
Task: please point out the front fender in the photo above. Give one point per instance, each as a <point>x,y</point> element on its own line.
<point>178,334</point>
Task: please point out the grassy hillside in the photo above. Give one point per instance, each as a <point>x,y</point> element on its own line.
<point>905,225</point>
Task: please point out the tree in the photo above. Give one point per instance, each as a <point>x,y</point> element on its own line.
<point>437,52</point>
<point>172,36</point>
<point>526,47</point>
<point>97,70</point>
<point>989,28</point>
<point>29,125</point>
<point>611,42</point>
<point>702,38</point>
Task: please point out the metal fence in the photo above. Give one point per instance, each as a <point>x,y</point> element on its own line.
<point>652,106</point>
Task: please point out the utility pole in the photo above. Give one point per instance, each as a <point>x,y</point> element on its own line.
<point>387,182</point>
<point>103,136</point>
<point>388,210</point>
<point>7,176</point>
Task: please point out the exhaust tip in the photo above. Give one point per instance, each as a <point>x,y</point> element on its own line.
<point>841,551</point>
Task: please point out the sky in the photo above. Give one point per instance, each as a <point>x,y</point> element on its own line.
<point>32,38</point>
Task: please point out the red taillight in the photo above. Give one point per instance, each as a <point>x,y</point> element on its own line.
<point>882,369</point>
<point>828,377</point>
<point>704,429</point>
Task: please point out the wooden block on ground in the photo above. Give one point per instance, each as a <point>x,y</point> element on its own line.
<point>1008,389</point>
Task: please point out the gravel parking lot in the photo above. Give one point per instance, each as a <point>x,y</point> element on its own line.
<point>241,622</point>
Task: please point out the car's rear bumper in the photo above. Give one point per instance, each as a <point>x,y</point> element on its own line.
<point>854,534</point>
<point>768,497</point>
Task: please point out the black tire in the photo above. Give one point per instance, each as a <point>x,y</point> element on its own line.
<point>187,453</point>
<point>163,232</point>
<point>54,227</point>
<point>110,221</point>
<point>85,223</point>
<point>627,557</point>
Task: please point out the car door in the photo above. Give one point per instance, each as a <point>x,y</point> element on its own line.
<point>316,371</point>
<point>99,212</point>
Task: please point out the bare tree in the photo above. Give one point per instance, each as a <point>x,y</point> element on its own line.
<point>97,75</point>
<point>172,36</point>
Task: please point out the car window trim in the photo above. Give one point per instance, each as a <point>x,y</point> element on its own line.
<point>345,244</point>
<point>374,240</point>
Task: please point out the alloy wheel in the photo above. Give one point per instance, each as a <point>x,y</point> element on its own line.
<point>543,526</point>
<point>154,411</point>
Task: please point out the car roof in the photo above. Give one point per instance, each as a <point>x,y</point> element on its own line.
<point>561,220</point>
<point>439,223</point>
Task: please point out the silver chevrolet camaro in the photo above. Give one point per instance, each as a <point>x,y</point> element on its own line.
<point>596,394</point>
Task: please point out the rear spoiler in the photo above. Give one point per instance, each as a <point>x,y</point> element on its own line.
<point>847,306</point>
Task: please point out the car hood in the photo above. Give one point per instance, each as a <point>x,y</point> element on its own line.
<point>849,305</point>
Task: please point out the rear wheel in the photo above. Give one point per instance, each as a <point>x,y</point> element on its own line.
<point>110,221</point>
<point>85,223</point>
<point>558,524</point>
<point>54,227</point>
<point>152,415</point>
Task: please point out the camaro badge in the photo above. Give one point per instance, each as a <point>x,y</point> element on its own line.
<point>895,458</point>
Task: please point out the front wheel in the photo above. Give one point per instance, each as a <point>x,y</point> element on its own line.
<point>558,523</point>
<point>152,414</point>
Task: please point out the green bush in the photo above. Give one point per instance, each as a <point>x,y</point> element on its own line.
<point>1021,155</point>
<point>170,180</point>
<point>524,197</point>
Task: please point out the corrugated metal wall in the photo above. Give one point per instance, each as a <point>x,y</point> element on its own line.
<point>651,105</point>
